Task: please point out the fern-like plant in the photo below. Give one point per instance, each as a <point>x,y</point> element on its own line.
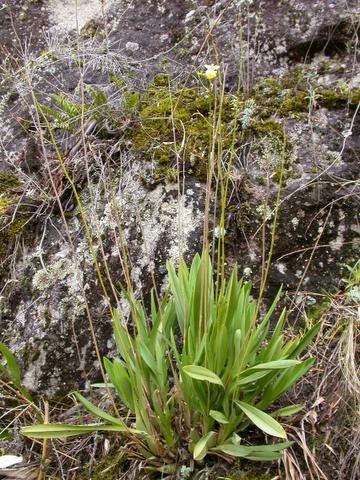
<point>197,371</point>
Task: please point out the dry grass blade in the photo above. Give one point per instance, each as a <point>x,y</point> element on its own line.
<point>21,471</point>
<point>347,358</point>
<point>292,467</point>
<point>328,435</point>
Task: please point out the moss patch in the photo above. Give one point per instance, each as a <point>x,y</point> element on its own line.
<point>291,94</point>
<point>10,224</point>
<point>107,467</point>
<point>174,126</point>
<point>174,123</point>
<point>8,181</point>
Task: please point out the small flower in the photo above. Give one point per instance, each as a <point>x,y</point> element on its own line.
<point>211,71</point>
<point>219,232</point>
<point>247,272</point>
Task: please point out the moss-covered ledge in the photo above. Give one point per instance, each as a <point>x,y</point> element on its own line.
<point>174,121</point>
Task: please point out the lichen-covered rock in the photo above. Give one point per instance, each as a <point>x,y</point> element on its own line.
<point>296,127</point>
<point>44,318</point>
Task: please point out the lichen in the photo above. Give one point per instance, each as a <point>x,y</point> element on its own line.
<point>44,279</point>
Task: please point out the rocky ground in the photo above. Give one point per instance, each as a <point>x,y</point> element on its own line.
<point>300,84</point>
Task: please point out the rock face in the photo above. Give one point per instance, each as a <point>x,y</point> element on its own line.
<point>46,316</point>
<point>300,120</point>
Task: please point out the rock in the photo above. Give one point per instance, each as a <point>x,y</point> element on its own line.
<point>45,317</point>
<point>52,289</point>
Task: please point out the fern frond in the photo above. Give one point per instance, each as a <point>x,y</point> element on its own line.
<point>98,95</point>
<point>72,109</point>
<point>131,101</point>
<point>54,113</point>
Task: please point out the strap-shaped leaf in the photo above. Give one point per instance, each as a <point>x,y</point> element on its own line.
<point>202,446</point>
<point>274,365</point>
<point>252,378</point>
<point>218,416</point>
<point>254,452</point>
<point>262,420</point>
<point>13,370</point>
<point>203,374</point>
<point>56,430</point>
<point>287,411</point>
<point>98,412</point>
<point>284,382</point>
<point>120,379</point>
<point>305,340</point>
<point>234,450</point>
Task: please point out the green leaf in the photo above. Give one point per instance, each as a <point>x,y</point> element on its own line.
<point>252,378</point>
<point>272,447</point>
<point>274,365</point>
<point>305,340</point>
<point>202,446</point>
<point>262,420</point>
<point>13,371</point>
<point>254,452</point>
<point>102,385</point>
<point>287,411</point>
<point>98,412</point>
<point>264,457</point>
<point>98,95</point>
<point>234,450</point>
<point>55,430</point>
<point>284,382</point>
<point>147,356</point>
<point>120,379</point>
<point>218,416</point>
<point>202,373</point>
<point>71,108</point>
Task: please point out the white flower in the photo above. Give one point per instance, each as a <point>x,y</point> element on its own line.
<point>219,232</point>
<point>211,71</point>
<point>247,272</point>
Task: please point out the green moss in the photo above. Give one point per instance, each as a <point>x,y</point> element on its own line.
<point>106,468</point>
<point>294,102</point>
<point>266,127</point>
<point>331,98</point>
<point>47,317</point>
<point>315,311</point>
<point>161,80</point>
<point>289,94</point>
<point>8,181</point>
<point>355,96</point>
<point>10,225</point>
<point>174,124</point>
<point>90,29</point>
<point>251,476</point>
<point>174,128</point>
